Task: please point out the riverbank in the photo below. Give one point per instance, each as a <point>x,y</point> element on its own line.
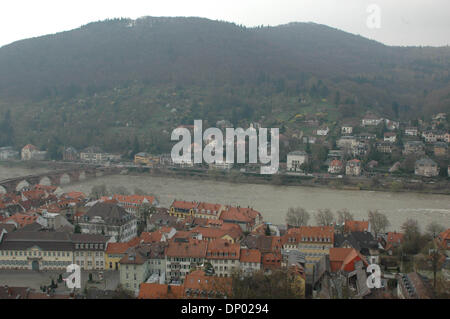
<point>386,184</point>
<point>394,184</point>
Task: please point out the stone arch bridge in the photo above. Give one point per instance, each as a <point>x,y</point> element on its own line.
<point>55,178</point>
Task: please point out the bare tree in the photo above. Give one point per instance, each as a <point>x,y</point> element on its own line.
<point>324,217</point>
<point>138,191</point>
<point>297,217</point>
<point>119,190</point>
<point>434,229</point>
<point>344,215</point>
<point>98,191</point>
<point>412,238</point>
<point>378,221</point>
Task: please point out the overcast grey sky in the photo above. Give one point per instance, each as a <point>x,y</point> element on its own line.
<point>402,22</point>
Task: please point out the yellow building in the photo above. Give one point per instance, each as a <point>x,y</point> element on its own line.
<point>114,253</point>
<point>182,209</point>
<point>208,210</point>
<point>51,250</point>
<point>146,159</point>
<point>313,241</point>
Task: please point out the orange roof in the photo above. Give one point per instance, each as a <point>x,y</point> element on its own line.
<point>336,163</point>
<point>394,237</point>
<point>75,195</point>
<point>22,219</point>
<point>250,256</point>
<point>356,226</point>
<point>117,248</point>
<point>246,215</point>
<point>198,281</point>
<point>223,249</point>
<point>193,249</point>
<point>309,234</point>
<point>184,205</point>
<point>152,237</point>
<point>133,199</point>
<point>217,222</point>
<point>160,291</point>
<point>445,235</point>
<point>30,147</point>
<point>344,258</point>
<point>271,260</point>
<point>203,207</point>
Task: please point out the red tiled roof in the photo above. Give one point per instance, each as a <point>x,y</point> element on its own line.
<point>309,234</point>
<point>237,214</point>
<point>133,199</point>
<point>393,239</point>
<point>22,219</point>
<point>30,147</point>
<point>250,256</point>
<point>336,163</point>
<point>193,249</point>
<point>356,226</point>
<point>344,259</point>
<point>222,249</point>
<point>198,281</point>
<point>160,291</point>
<point>184,205</point>
<point>117,248</point>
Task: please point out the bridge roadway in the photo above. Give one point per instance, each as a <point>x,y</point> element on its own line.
<point>57,177</point>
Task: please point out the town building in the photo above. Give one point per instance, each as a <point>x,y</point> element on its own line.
<point>411,131</point>
<point>353,167</point>
<point>250,261</point>
<point>223,256</point>
<point>390,137</point>
<point>371,120</point>
<point>70,154</point>
<point>313,241</point>
<point>426,167</point>
<point>110,220</point>
<point>344,259</point>
<point>414,148</point>
<point>347,129</point>
<point>133,269</point>
<point>134,203</point>
<point>182,256</point>
<point>335,167</point>
<point>89,252</point>
<point>182,209</point>
<point>146,159</point>
<point>37,250</point>
<point>32,153</point>
<point>7,153</point>
<point>429,136</point>
<point>246,218</point>
<point>208,210</point>
<point>440,149</point>
<point>323,131</point>
<point>295,160</point>
<point>96,155</point>
<point>385,147</point>
<point>346,142</point>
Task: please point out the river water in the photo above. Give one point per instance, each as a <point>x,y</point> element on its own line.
<point>274,201</point>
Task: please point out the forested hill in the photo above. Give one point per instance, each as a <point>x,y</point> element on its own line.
<point>217,67</point>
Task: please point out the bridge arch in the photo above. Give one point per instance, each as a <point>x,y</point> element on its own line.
<point>45,181</point>
<point>82,176</point>
<point>64,179</point>
<point>22,184</point>
<point>3,190</point>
